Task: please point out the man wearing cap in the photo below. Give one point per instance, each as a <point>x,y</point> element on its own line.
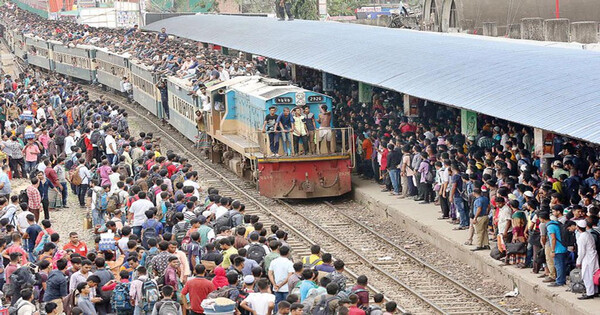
<point>587,258</point>
<point>198,288</point>
<point>557,169</point>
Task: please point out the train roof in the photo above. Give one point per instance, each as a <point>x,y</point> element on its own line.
<point>264,88</point>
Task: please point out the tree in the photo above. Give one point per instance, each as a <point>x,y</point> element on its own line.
<point>344,7</point>
<point>305,9</point>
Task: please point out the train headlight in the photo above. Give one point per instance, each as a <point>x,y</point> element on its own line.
<point>300,99</point>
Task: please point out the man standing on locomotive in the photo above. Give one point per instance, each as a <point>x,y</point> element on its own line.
<point>284,121</point>
<point>269,127</point>
<point>324,121</point>
<point>311,126</point>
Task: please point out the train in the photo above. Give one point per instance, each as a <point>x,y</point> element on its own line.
<point>233,121</point>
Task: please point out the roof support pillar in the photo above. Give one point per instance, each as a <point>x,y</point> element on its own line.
<point>272,69</point>
<point>365,93</point>
<point>468,123</point>
<point>557,30</point>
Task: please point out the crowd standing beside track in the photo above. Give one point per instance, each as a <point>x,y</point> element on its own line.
<point>162,245</point>
<point>538,214</point>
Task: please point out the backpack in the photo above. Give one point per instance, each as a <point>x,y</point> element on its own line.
<point>75,177</point>
<point>102,201</point>
<point>22,277</point>
<point>232,219</point>
<point>596,234</point>
<point>181,233</point>
<point>40,247</point>
<point>69,164</point>
<point>120,300</point>
<point>307,264</point>
<point>429,176</point>
<point>95,136</point>
<point>148,261</point>
<point>346,294</point>
<point>576,281</point>
<point>148,233</point>
<point>14,309</point>
<point>185,242</point>
<point>566,238</point>
<point>177,178</point>
<point>372,308</point>
<point>221,292</point>
<point>81,144</point>
<point>338,279</point>
<point>168,308</point>
<point>170,214</point>
<point>150,295</point>
<point>322,308</point>
<point>23,198</point>
<point>256,252</point>
<point>222,221</point>
<point>101,144</point>
<point>113,203</point>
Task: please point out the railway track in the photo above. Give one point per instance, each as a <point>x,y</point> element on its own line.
<point>416,286</point>
<point>443,293</point>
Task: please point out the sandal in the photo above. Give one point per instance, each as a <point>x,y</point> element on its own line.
<point>468,243</point>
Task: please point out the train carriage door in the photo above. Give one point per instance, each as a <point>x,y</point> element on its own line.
<point>217,108</point>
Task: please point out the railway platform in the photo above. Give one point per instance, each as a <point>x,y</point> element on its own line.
<point>422,220</point>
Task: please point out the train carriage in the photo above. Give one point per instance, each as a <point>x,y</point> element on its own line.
<point>77,62</point>
<point>111,68</point>
<point>238,110</point>
<point>182,107</point>
<point>145,92</point>
<point>39,53</point>
<point>18,45</point>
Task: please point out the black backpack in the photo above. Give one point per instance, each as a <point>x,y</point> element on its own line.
<point>81,144</point>
<point>23,198</point>
<point>566,238</point>
<point>95,136</point>
<point>221,222</point>
<point>322,308</point>
<point>257,253</point>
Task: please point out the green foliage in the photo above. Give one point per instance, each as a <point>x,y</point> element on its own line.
<point>305,9</point>
<point>344,7</point>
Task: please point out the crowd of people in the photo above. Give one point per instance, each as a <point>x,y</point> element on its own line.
<point>161,243</point>
<point>539,214</point>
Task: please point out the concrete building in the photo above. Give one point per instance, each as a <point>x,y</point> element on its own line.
<point>469,15</point>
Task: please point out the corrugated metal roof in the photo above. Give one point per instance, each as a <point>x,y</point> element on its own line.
<point>555,89</point>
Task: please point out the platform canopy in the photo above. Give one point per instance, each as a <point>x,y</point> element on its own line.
<point>534,84</point>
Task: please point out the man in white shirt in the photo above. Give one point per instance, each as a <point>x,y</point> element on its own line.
<point>137,213</point>
<point>111,145</point>
<point>262,302</point>
<point>280,271</point>
<point>222,208</point>
<point>69,142</point>
<point>191,178</point>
